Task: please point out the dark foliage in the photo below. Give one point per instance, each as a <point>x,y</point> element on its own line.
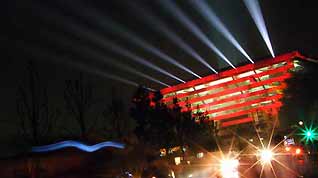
<point>162,126</point>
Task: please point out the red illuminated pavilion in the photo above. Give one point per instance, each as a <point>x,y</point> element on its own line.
<point>249,93</point>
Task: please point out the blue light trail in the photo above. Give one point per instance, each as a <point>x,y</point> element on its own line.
<point>161,27</point>
<point>256,13</point>
<point>78,145</point>
<point>175,11</point>
<point>210,15</point>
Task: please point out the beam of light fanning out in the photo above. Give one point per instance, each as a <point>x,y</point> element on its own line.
<point>78,145</point>
<point>210,15</point>
<point>107,23</point>
<point>177,12</point>
<point>161,27</point>
<point>100,57</point>
<point>81,31</point>
<point>256,13</point>
<point>41,53</point>
<point>105,43</point>
<point>124,52</point>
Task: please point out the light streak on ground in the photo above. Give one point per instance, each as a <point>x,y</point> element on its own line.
<point>254,9</point>
<point>78,145</point>
<point>108,24</point>
<point>210,15</point>
<point>161,27</point>
<point>177,12</point>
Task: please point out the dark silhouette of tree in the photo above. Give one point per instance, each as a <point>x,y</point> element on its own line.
<point>78,96</point>
<point>37,119</point>
<point>163,126</point>
<point>119,123</point>
<point>300,100</point>
<point>166,126</point>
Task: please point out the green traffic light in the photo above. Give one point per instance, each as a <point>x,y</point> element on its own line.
<point>308,134</point>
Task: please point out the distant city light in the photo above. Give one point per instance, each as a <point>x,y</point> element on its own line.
<point>300,122</point>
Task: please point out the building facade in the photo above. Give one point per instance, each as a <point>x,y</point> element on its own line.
<point>250,93</point>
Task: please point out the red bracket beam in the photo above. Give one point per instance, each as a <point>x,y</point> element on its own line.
<point>269,72</point>
<point>238,121</point>
<point>231,72</point>
<point>245,87</point>
<point>240,113</point>
<point>236,97</point>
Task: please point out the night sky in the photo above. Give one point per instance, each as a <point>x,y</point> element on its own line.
<point>44,31</point>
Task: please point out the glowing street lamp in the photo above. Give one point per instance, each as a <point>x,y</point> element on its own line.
<point>266,156</point>
<point>300,123</point>
<point>229,168</point>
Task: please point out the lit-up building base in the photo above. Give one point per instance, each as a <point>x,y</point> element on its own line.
<point>237,96</point>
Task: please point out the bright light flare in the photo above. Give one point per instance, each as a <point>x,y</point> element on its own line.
<point>209,14</point>
<point>309,134</point>
<point>177,12</point>
<point>256,13</point>
<point>298,151</point>
<point>266,156</point>
<point>229,168</point>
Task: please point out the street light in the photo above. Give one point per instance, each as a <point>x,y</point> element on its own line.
<point>266,156</point>
<point>229,168</point>
<point>300,123</point>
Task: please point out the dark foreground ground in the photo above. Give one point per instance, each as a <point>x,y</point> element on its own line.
<point>109,163</point>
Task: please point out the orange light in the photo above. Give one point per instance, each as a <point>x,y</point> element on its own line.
<point>287,148</point>
<point>298,151</point>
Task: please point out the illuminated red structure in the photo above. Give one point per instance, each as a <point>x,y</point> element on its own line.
<point>237,96</point>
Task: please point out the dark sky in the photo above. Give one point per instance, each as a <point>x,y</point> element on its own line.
<point>44,30</point>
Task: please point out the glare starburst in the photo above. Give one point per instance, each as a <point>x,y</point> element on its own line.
<point>308,134</point>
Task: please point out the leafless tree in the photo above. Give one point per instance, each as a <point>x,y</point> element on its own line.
<point>78,97</point>
<point>36,117</point>
<point>117,118</point>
